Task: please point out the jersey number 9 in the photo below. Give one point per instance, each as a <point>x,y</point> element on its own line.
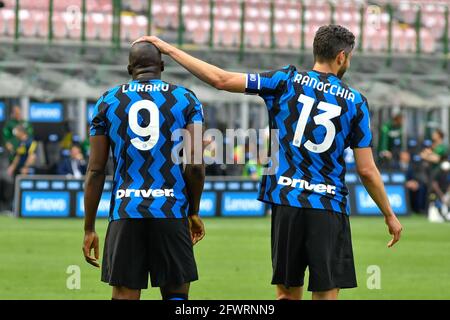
<point>151,130</point>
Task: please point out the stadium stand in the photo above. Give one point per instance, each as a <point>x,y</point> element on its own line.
<point>288,24</point>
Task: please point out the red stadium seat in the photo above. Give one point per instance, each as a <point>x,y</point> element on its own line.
<point>73,22</point>
<point>105,28</point>
<point>126,27</point>
<point>7,22</point>
<point>428,41</point>
<point>27,24</point>
<point>197,31</point>
<point>99,26</point>
<point>41,20</point>
<point>59,26</point>
<point>137,5</point>
<point>141,25</point>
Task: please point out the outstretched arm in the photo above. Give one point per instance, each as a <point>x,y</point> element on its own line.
<point>371,178</point>
<point>214,76</point>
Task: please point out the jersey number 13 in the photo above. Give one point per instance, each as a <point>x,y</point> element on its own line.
<point>323,119</point>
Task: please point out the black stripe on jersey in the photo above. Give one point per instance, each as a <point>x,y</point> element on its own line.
<point>357,133</point>
<point>326,158</point>
<point>166,151</point>
<point>124,100</point>
<point>288,124</point>
<point>273,113</point>
<point>341,160</point>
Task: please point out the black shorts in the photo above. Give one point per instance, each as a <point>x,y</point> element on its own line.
<point>317,239</point>
<point>136,247</point>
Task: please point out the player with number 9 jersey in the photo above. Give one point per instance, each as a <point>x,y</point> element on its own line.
<point>139,118</point>
<point>151,127</point>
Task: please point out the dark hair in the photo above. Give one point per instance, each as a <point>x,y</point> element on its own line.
<point>440,133</point>
<point>330,40</point>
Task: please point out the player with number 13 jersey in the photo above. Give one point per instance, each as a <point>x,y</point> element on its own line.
<point>317,116</point>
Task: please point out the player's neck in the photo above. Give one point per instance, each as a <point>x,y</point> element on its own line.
<point>147,76</point>
<point>324,68</point>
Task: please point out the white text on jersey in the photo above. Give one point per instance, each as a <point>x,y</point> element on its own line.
<point>333,89</point>
<point>303,184</point>
<point>138,87</point>
<point>155,193</point>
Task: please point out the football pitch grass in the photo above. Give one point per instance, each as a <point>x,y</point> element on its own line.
<point>233,260</point>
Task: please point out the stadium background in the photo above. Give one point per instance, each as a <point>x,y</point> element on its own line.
<point>57,57</point>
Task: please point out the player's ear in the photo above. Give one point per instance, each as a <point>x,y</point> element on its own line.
<point>130,70</point>
<point>341,58</point>
<point>162,66</point>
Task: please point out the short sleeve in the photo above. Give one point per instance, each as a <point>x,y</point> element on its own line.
<point>98,125</point>
<point>268,83</point>
<point>194,110</point>
<point>361,133</point>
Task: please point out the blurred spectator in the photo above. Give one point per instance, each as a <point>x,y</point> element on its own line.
<point>441,188</point>
<point>253,169</point>
<point>25,153</point>
<point>6,188</point>
<point>10,140</point>
<point>75,165</point>
<point>213,166</point>
<point>67,139</point>
<point>85,144</point>
<point>416,182</point>
<point>390,142</point>
<point>437,151</point>
<point>349,159</point>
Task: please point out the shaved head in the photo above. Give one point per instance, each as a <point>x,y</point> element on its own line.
<point>145,60</point>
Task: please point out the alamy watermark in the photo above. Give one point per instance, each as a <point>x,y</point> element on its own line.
<point>374,277</point>
<point>234,146</point>
<point>73,281</point>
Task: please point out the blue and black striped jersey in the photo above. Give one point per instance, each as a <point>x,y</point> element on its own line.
<point>139,119</point>
<point>316,117</point>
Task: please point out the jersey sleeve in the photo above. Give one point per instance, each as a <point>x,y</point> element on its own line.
<point>361,133</point>
<point>269,83</point>
<point>194,110</point>
<point>98,126</point>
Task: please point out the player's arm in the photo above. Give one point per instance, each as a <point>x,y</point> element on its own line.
<point>93,188</point>
<point>12,167</point>
<point>435,185</point>
<point>214,76</point>
<point>437,189</point>
<point>194,175</point>
<point>371,178</point>
<point>361,143</point>
<point>431,156</point>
